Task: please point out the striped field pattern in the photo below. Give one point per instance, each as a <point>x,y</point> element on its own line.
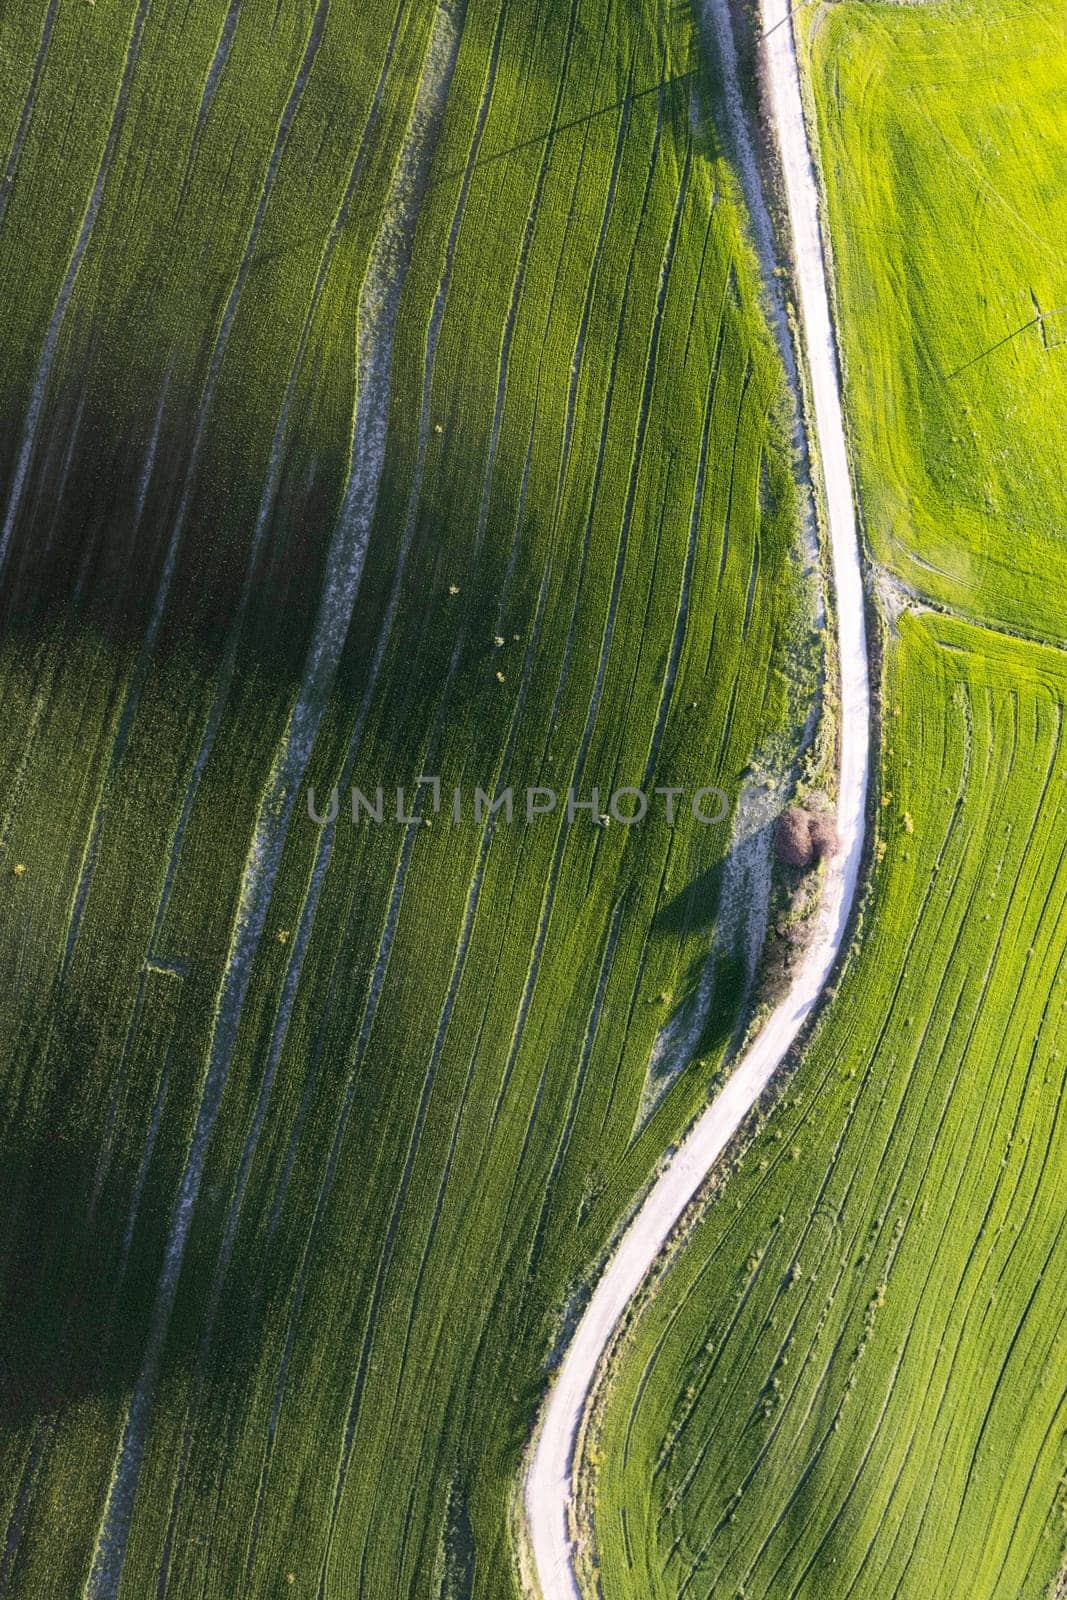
<point>385,391</point>
<point>855,1379</point>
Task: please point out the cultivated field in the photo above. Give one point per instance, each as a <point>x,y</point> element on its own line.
<point>854,1380</point>
<point>384,393</point>
<point>941,131</point>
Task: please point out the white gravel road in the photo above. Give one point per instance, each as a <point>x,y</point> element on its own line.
<point>547,1490</point>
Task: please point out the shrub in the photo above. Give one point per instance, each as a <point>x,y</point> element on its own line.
<point>805,837</point>
<point>823,835</point>
<point>793,837</point>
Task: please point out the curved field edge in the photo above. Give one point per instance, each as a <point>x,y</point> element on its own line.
<point>432,1103</point>
<point>861,1350</point>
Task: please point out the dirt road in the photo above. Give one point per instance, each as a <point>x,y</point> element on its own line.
<point>547,1491</point>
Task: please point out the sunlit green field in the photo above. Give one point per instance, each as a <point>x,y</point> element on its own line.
<point>384,392</point>
<point>943,156</point>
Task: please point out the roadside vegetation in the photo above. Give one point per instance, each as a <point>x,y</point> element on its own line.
<point>385,392</point>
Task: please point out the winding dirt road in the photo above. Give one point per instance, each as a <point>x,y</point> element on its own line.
<point>547,1491</point>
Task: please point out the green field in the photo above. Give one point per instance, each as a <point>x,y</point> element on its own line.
<point>941,133</point>
<point>854,1380</point>
<point>340,343</point>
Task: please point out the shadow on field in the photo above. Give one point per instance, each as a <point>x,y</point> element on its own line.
<point>695,907</point>
<point>82,1236</point>
<point>115,519</point>
<point>59,1338</point>
<point>700,1020</point>
<point>728,905</point>
<point>112,511</point>
<point>80,1252</point>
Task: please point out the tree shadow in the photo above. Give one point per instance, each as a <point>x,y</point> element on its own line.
<point>695,907</point>
<point>81,1247</point>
